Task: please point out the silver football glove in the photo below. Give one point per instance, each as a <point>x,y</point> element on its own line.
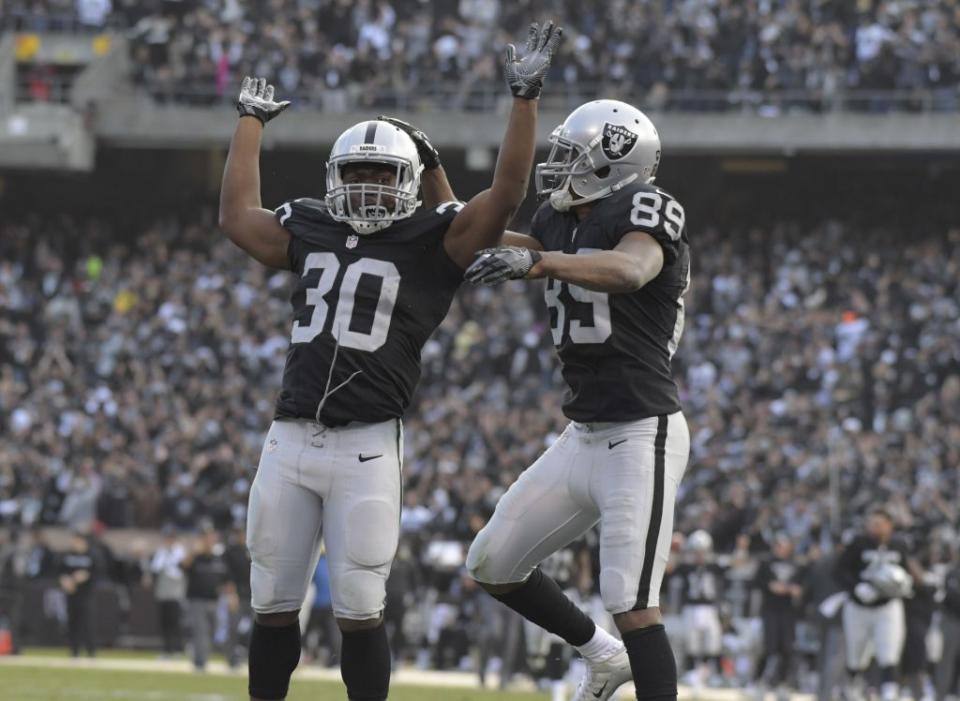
<point>525,74</point>
<point>256,100</point>
<point>496,265</point>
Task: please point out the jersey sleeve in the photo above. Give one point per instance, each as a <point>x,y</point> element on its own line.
<point>441,219</point>
<point>651,211</point>
<point>847,569</point>
<point>298,217</point>
<point>539,222</point>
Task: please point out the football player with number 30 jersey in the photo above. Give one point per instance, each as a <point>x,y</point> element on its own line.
<point>376,275</point>
<point>613,249</point>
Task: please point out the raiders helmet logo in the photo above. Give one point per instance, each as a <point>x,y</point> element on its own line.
<point>617,141</point>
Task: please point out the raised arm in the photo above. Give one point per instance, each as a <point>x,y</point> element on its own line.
<point>634,262</point>
<point>480,224</point>
<point>242,216</point>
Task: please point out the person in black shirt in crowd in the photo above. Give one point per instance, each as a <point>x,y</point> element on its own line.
<point>40,561</point>
<point>778,578</point>
<point>819,586</point>
<point>946,672</point>
<point>238,566</point>
<point>918,611</point>
<point>77,570</point>
<point>207,576</point>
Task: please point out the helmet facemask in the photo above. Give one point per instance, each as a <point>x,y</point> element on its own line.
<point>370,207</point>
<point>565,160</point>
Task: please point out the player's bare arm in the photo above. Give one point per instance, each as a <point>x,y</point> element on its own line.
<point>517,240</point>
<point>481,223</point>
<point>635,261</point>
<point>436,188</point>
<point>242,216</point>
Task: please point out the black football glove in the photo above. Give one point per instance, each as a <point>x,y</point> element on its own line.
<point>496,265</point>
<point>429,155</point>
<point>525,74</point>
<point>256,100</point>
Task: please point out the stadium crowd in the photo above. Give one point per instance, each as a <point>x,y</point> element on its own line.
<point>819,371</point>
<point>768,55</point>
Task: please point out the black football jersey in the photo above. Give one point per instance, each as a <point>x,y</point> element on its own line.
<point>777,570</point>
<point>616,348</point>
<point>362,310</point>
<point>862,554</point>
<point>701,583</point>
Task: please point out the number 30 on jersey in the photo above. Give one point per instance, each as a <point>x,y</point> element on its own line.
<point>329,266</point>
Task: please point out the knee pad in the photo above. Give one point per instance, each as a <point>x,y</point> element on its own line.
<point>274,654</point>
<point>359,594</point>
<point>616,594</point>
<point>372,532</point>
<point>477,556</point>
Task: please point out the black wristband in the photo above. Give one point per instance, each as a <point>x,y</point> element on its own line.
<point>255,116</point>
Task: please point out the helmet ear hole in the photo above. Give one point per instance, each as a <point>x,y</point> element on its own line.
<point>602,172</point>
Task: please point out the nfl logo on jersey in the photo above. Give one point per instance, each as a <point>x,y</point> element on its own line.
<point>352,241</point>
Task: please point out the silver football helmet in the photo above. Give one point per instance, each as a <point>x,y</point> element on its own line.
<point>369,207</point>
<point>602,146</point>
<point>700,541</point>
<point>890,579</point>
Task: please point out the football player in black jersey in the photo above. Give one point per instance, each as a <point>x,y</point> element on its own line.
<point>613,248</point>
<point>377,273</point>
<point>873,569</point>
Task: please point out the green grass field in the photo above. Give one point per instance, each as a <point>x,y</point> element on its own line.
<point>57,684</point>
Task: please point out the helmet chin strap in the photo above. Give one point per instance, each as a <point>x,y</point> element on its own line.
<point>563,200</point>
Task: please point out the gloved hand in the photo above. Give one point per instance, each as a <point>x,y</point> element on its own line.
<point>256,100</point>
<point>429,155</point>
<point>496,265</point>
<point>525,74</point>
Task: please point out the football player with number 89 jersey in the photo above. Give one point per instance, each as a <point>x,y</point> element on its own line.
<point>613,249</point>
<point>376,275</point>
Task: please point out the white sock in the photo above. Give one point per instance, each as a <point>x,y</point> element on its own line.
<point>602,646</point>
<point>889,691</point>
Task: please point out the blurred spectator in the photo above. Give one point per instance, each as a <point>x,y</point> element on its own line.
<point>207,577</point>
<point>820,585</point>
<point>239,614</point>
<point>949,665</point>
<point>402,587</point>
<point>169,588</point>
<point>778,578</point>
<point>93,13</point>
<point>322,625</point>
<point>78,573</point>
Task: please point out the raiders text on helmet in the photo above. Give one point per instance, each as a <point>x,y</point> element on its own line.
<point>369,207</point>
<point>602,146</point>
